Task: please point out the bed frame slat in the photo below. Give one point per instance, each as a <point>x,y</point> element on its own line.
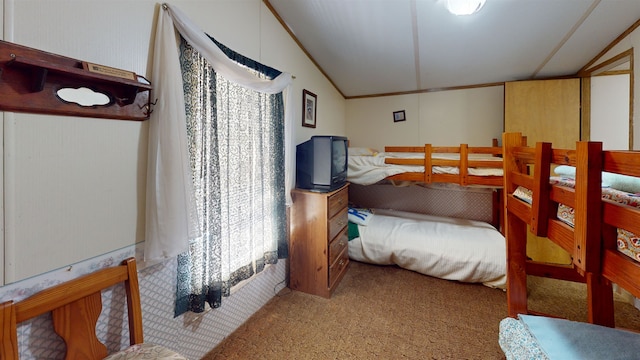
<point>621,216</point>
<point>622,270</point>
<point>561,233</point>
<point>622,162</point>
<point>564,195</point>
<point>518,208</point>
<point>410,149</point>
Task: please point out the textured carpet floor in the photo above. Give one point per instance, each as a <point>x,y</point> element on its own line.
<point>386,312</point>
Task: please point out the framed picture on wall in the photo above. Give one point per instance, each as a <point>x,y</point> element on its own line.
<point>309,106</point>
<point>399,116</point>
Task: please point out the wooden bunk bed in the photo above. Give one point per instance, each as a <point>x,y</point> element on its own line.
<point>591,220</point>
<point>532,203</point>
<point>444,247</point>
<point>464,165</point>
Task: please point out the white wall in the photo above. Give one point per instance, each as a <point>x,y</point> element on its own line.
<point>631,41</point>
<point>75,187</point>
<point>472,116</point>
<point>610,111</point>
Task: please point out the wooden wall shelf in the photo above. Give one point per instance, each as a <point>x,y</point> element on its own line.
<point>30,80</point>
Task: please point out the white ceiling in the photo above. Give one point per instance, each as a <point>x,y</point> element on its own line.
<point>370,47</point>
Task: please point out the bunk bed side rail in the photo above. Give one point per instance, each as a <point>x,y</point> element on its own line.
<point>622,162</point>
<point>616,266</point>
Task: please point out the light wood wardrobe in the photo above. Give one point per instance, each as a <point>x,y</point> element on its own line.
<point>549,111</point>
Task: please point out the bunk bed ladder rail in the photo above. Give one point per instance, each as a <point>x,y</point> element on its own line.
<point>582,241</point>
<point>518,215</point>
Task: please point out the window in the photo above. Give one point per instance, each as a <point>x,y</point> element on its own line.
<point>236,151</point>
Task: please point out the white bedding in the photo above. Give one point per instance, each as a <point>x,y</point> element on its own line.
<point>447,248</point>
<point>370,169</point>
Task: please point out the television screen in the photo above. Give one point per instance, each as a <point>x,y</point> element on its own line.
<point>339,154</point>
<point>321,163</point>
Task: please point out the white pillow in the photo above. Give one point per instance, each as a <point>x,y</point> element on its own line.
<point>360,216</point>
<point>566,171</point>
<point>362,151</point>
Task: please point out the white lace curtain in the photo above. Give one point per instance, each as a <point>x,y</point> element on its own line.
<point>236,148</point>
<point>171,212</point>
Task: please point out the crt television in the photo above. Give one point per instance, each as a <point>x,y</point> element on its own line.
<point>321,163</point>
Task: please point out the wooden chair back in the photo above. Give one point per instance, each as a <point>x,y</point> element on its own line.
<point>75,307</point>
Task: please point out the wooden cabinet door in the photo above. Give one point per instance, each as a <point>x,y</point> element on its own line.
<point>544,110</point>
<point>549,111</point>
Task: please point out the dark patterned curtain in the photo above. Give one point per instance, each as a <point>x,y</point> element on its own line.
<point>236,148</point>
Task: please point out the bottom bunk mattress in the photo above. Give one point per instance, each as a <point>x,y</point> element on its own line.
<point>448,248</point>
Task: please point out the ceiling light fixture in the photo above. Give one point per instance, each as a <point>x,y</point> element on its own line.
<point>464,7</point>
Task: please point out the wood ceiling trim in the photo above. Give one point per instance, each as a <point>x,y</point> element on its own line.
<point>615,61</point>
<point>426,90</point>
<point>611,45</point>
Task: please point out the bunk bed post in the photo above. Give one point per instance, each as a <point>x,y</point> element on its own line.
<point>516,265</point>
<point>588,206</point>
<point>539,210</point>
<point>497,217</point>
<point>427,163</point>
<point>600,300</point>
<point>464,164</point>
<point>589,233</point>
<point>515,234</point>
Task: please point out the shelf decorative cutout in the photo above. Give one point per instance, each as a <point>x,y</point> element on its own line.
<point>36,81</point>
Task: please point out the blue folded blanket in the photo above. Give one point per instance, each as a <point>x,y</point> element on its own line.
<point>567,340</point>
<point>360,216</point>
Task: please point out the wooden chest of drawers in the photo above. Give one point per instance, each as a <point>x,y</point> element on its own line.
<point>318,246</point>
